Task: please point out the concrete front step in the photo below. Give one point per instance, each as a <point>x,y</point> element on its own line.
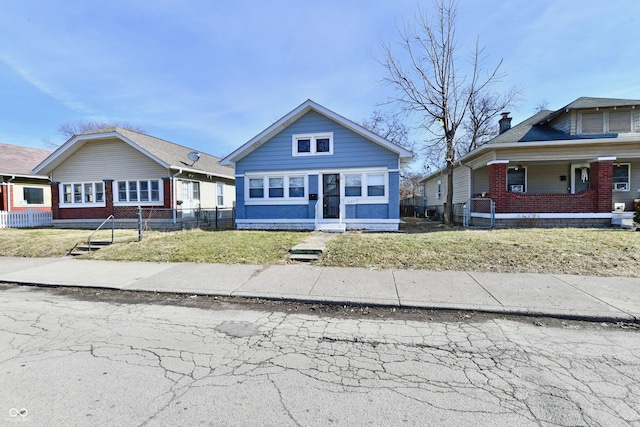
<point>311,248</point>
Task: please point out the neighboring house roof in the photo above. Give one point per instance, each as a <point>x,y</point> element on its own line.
<point>18,160</point>
<point>168,154</point>
<point>586,102</point>
<point>537,130</point>
<point>301,110</point>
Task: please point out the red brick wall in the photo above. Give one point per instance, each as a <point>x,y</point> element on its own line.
<point>109,208</point>
<point>597,199</point>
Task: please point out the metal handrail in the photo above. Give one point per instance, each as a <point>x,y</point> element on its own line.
<point>110,217</point>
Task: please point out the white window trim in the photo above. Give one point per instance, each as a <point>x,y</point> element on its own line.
<point>364,197</point>
<point>266,200</point>
<point>439,190</point>
<point>220,186</point>
<point>312,137</point>
<point>526,183</point>
<point>118,202</point>
<point>628,165</point>
<point>82,204</point>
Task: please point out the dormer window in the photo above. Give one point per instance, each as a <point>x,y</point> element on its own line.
<point>605,121</point>
<point>312,144</point>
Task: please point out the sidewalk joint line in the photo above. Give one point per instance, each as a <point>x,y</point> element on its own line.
<point>483,288</point>
<point>395,285</point>
<point>592,296</point>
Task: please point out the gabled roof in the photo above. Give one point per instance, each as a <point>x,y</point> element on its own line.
<point>586,102</point>
<point>18,160</point>
<point>167,154</point>
<point>301,110</point>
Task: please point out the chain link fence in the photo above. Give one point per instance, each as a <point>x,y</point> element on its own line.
<point>479,213</point>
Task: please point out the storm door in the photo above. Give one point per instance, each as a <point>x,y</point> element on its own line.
<point>331,195</point>
<point>580,178</point>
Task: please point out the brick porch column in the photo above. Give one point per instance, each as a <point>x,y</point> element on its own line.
<point>108,197</point>
<point>55,200</point>
<point>601,180</point>
<point>166,188</point>
<point>498,184</point>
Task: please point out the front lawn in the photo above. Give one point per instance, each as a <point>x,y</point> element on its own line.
<point>600,252</point>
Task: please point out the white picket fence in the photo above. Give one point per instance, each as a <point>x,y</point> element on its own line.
<point>29,218</point>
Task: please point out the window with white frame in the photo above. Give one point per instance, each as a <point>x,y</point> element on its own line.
<point>621,176</point>
<point>353,185</point>
<point>82,193</point>
<point>312,144</point>
<point>143,191</point>
<point>517,179</point>
<point>605,121</point>
<point>366,185</point>
<point>439,192</point>
<point>283,188</point>
<point>220,193</point>
<point>33,195</point>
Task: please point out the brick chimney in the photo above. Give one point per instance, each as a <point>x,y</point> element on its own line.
<point>505,122</point>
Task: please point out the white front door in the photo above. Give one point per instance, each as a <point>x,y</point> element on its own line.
<point>190,198</point>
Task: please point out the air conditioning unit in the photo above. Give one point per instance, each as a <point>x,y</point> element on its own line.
<point>619,207</point>
<point>517,188</point>
<point>621,186</point>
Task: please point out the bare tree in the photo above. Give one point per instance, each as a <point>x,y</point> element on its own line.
<point>388,126</point>
<point>434,85</point>
<point>479,126</point>
<point>70,129</point>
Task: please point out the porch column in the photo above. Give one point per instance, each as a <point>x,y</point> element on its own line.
<point>498,184</point>
<point>55,200</point>
<point>167,203</point>
<point>601,180</point>
<point>108,197</point>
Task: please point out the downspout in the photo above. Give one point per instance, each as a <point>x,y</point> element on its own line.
<point>173,195</point>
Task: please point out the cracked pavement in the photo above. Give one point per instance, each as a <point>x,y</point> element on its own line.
<point>80,362</point>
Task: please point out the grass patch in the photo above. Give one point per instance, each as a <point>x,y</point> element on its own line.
<point>597,252</point>
<point>48,242</point>
<point>227,247</point>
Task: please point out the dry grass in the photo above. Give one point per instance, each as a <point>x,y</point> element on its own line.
<point>227,247</point>
<point>600,252</point>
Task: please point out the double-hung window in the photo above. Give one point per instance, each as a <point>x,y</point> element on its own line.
<point>367,186</point>
<point>220,194</point>
<point>517,179</point>
<point>134,191</point>
<point>621,175</point>
<point>276,188</point>
<point>312,144</point>
<point>82,193</point>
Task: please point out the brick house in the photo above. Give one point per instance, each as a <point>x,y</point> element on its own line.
<point>20,190</point>
<point>113,171</point>
<point>577,166</point>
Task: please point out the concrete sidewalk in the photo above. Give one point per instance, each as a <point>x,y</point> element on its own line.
<point>567,296</point>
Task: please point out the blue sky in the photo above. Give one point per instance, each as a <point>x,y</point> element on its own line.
<point>212,74</point>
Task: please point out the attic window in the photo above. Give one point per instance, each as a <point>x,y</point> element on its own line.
<point>607,121</point>
<point>312,144</point>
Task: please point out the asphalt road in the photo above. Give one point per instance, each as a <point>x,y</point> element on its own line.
<point>94,357</point>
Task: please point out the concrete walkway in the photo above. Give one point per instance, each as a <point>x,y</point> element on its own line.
<point>567,296</point>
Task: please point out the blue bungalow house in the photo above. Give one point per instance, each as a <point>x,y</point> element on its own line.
<point>316,170</point>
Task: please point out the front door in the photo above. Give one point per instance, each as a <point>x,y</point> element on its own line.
<point>331,195</point>
<point>580,178</point>
<point>190,198</point>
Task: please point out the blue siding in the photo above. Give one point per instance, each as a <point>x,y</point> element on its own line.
<point>349,149</point>
<point>276,212</point>
<point>240,213</point>
<point>394,195</point>
<point>372,211</point>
